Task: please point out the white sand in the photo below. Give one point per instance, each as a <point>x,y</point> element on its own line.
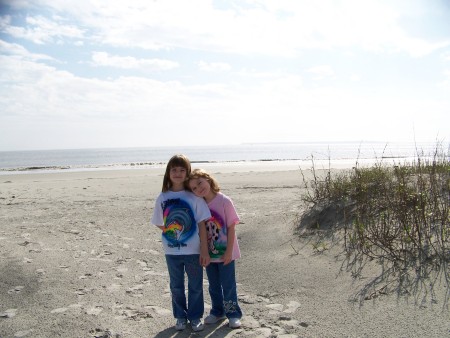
<point>78,258</point>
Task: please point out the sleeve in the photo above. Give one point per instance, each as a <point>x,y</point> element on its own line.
<point>202,211</point>
<point>230,212</point>
<point>157,218</point>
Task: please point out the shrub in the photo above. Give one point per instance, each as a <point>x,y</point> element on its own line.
<point>397,215</point>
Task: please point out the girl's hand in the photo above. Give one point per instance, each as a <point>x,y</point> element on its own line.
<point>205,259</point>
<point>227,257</point>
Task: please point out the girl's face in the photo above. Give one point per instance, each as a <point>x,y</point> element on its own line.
<point>200,187</point>
<point>177,175</point>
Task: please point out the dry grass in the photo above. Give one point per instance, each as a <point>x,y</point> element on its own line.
<point>397,215</point>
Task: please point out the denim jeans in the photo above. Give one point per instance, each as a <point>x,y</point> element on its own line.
<point>177,266</point>
<point>222,289</point>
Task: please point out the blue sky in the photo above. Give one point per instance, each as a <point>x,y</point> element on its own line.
<point>93,74</point>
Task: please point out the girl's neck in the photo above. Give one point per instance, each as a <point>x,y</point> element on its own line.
<point>177,187</point>
<point>210,196</point>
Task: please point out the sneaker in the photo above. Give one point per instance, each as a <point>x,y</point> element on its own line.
<point>197,325</point>
<point>181,324</point>
<point>234,323</point>
<point>211,319</point>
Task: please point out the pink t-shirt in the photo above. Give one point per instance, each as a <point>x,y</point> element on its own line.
<point>223,215</point>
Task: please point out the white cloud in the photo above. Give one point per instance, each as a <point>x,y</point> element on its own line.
<point>268,27</point>
<point>266,57</point>
<point>214,66</point>
<point>322,72</point>
<point>41,30</point>
<point>128,62</point>
<point>19,51</point>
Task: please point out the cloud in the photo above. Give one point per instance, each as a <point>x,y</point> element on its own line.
<point>20,51</point>
<point>127,62</point>
<point>322,72</point>
<point>278,28</point>
<point>214,66</point>
<point>41,30</point>
<point>250,68</point>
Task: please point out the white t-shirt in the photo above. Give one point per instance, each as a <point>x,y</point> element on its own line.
<point>180,212</point>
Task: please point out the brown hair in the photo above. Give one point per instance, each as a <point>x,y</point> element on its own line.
<point>176,161</point>
<point>200,173</point>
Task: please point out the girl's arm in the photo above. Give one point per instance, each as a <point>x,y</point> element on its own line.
<point>204,254</point>
<point>227,256</point>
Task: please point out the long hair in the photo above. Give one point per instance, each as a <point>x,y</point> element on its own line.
<point>200,173</point>
<point>179,160</point>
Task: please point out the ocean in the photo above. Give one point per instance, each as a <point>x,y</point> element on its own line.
<point>92,159</point>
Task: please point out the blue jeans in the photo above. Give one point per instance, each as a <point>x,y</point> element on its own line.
<point>222,289</point>
<point>177,266</point>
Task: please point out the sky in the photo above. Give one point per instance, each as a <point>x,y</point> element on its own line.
<point>141,73</point>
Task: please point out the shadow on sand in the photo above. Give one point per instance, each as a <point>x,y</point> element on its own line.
<point>219,330</point>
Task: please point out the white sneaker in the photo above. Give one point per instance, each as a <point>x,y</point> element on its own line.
<point>180,324</point>
<point>234,323</point>
<point>197,325</point>
<point>211,319</point>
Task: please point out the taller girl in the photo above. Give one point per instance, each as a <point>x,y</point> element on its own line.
<point>223,249</point>
<point>181,217</point>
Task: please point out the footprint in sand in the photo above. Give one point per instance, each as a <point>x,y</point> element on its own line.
<point>95,310</point>
<point>130,313</point>
<point>159,310</point>
<point>136,291</point>
<point>276,309</point>
<point>114,287</point>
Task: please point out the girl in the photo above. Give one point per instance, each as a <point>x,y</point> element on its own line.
<point>223,249</point>
<point>181,217</point>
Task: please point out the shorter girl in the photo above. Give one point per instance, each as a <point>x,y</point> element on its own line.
<point>181,217</point>
<point>223,249</point>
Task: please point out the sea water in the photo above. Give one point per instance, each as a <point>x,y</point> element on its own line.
<point>11,161</point>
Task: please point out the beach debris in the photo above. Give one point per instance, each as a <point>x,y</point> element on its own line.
<point>16,289</point>
<point>8,313</point>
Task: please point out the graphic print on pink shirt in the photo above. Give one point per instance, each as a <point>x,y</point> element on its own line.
<point>217,235</point>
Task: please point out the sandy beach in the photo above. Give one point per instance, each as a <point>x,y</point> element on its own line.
<point>79,258</point>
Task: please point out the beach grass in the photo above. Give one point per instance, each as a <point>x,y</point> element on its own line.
<point>397,215</point>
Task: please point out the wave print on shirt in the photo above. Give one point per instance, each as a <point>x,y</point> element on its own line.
<point>179,222</point>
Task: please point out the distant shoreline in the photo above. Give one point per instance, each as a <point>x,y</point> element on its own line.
<point>242,165</point>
